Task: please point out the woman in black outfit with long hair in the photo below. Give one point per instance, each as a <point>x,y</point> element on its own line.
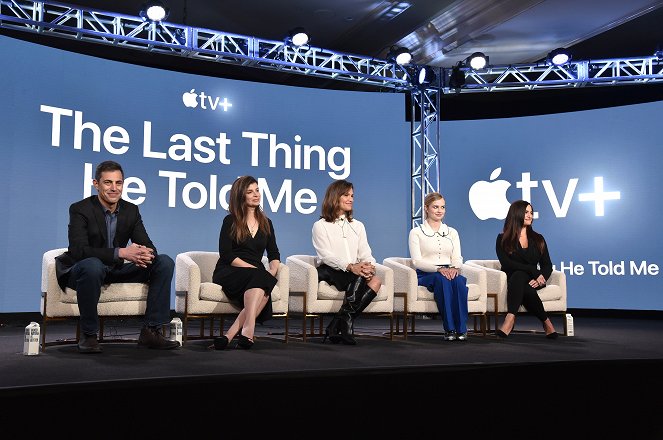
<point>524,257</point>
<point>246,234</point>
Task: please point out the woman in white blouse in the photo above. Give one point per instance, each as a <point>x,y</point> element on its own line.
<point>344,259</point>
<point>435,253</point>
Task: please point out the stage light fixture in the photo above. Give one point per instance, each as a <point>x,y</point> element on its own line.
<point>180,36</point>
<point>426,75</point>
<point>456,78</point>
<point>477,61</point>
<point>297,37</point>
<point>154,11</point>
<point>558,57</point>
<point>399,55</point>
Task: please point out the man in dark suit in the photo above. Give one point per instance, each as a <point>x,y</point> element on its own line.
<point>100,228</point>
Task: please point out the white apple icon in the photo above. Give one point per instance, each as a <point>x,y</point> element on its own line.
<point>190,99</point>
<point>488,199</point>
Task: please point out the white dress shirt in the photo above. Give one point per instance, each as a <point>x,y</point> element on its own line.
<point>430,249</point>
<point>340,243</point>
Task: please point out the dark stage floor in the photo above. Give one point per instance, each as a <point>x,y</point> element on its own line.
<point>602,380</point>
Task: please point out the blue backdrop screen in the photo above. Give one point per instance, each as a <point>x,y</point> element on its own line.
<point>182,140</point>
<point>591,176</point>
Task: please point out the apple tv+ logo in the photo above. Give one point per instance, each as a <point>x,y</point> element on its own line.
<point>192,99</point>
<point>488,197</point>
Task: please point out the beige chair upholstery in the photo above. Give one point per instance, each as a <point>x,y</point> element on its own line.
<point>411,299</point>
<point>117,300</point>
<point>553,295</point>
<point>312,298</point>
<point>197,297</point>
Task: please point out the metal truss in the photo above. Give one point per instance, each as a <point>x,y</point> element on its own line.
<point>124,31</point>
<point>618,71</point>
<point>425,164</point>
<point>132,32</point>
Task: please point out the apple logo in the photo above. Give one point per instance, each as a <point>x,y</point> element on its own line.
<point>488,199</point>
<point>190,99</point>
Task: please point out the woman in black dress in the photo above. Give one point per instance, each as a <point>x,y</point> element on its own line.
<point>524,257</point>
<point>246,234</point>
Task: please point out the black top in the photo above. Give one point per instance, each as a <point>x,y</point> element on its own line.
<point>250,250</point>
<point>529,260</point>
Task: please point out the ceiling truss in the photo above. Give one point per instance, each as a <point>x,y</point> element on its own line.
<point>125,31</point>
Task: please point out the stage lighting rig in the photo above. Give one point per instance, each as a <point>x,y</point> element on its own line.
<point>154,11</point>
<point>558,57</point>
<point>399,55</point>
<point>476,61</point>
<point>297,37</point>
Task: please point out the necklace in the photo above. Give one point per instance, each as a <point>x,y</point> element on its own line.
<point>252,229</point>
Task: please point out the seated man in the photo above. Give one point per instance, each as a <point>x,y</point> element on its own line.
<point>100,228</point>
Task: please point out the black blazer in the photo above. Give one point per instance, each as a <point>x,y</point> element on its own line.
<point>530,260</point>
<point>87,235</point>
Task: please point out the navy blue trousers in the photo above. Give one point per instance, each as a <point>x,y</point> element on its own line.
<point>450,297</point>
<point>88,275</point>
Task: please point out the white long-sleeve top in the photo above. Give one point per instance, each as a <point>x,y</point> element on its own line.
<point>430,249</point>
<point>340,243</point>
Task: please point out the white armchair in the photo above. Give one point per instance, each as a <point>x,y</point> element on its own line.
<point>197,297</point>
<point>553,295</point>
<point>312,298</point>
<point>117,299</point>
<point>411,299</point>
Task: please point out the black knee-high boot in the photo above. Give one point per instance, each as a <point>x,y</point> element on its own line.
<point>338,330</point>
<point>349,313</point>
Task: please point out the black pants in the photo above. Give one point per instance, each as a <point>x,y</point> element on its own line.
<point>519,292</point>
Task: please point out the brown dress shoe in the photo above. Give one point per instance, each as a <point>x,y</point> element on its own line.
<point>152,338</point>
<point>88,344</point>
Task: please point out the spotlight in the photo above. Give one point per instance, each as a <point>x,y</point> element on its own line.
<point>426,75</point>
<point>477,60</point>
<point>558,57</point>
<point>399,55</point>
<point>456,78</point>
<point>154,11</point>
<point>297,37</point>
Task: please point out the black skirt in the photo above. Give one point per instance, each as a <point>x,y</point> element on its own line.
<point>237,280</point>
<point>337,278</point>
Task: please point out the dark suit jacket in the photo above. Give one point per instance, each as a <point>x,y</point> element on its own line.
<point>530,260</point>
<point>88,237</point>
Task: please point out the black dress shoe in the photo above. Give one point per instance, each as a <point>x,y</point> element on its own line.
<point>501,334</point>
<point>221,342</point>
<point>151,337</point>
<point>244,342</point>
<point>552,335</point>
<point>88,344</point>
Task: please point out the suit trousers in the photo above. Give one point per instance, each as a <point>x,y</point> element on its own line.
<point>89,275</point>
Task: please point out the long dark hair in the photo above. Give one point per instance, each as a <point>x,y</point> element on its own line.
<point>331,202</point>
<point>513,224</point>
<point>237,209</point>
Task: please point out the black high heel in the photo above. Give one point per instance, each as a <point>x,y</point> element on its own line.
<point>331,332</point>
<point>501,334</point>
<point>221,342</point>
<point>244,342</point>
<point>552,335</point>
